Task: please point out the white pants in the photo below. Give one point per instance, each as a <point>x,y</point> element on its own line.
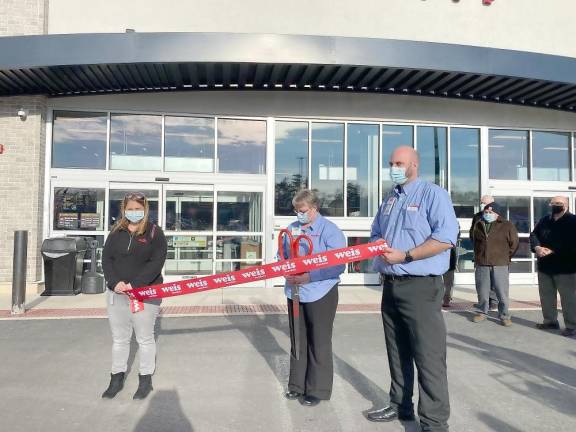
<point>122,323</point>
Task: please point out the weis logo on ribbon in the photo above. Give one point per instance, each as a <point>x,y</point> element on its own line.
<point>268,271</point>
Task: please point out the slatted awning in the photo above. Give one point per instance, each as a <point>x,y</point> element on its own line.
<point>60,65</point>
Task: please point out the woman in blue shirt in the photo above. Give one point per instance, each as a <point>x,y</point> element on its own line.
<point>311,375</point>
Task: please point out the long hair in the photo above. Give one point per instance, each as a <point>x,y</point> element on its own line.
<point>123,222</point>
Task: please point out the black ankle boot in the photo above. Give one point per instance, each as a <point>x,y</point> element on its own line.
<point>116,384</point>
<point>144,386</point>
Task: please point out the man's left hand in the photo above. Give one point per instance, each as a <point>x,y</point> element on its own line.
<point>393,256</point>
<point>300,279</point>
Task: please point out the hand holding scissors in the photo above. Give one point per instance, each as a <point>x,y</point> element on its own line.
<point>295,280</point>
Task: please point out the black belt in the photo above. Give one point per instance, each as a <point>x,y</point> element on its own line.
<point>391,277</point>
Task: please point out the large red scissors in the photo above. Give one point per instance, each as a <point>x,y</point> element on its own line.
<point>294,252</point>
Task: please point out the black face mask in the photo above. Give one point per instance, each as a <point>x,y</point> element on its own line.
<point>557,209</point>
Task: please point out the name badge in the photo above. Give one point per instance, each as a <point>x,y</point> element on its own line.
<point>296,231</point>
<point>389,205</point>
<point>412,207</point>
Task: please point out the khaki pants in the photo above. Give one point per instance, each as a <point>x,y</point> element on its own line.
<point>549,286</point>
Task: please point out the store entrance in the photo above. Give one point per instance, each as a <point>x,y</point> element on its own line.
<point>209,228</point>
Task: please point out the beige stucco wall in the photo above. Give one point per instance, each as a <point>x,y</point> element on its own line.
<point>528,25</point>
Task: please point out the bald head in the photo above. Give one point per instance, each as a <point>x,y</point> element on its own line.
<point>487,199</point>
<point>406,157</point>
<point>560,200</point>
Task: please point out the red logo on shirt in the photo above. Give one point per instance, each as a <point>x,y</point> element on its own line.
<point>142,240</point>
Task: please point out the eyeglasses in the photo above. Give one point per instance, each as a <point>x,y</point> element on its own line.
<point>303,211</point>
<point>134,196</point>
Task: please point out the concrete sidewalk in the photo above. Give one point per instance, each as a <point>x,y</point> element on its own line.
<point>228,374</point>
<point>227,300</point>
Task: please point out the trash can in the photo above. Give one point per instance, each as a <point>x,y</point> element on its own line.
<point>92,281</point>
<point>63,263</point>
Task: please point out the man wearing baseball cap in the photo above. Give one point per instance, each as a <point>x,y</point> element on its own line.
<point>495,242</point>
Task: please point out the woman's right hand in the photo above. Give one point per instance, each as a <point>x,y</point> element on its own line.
<point>121,287</point>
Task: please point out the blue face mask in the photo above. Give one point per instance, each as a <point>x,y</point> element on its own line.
<point>303,217</point>
<point>489,217</point>
<point>134,216</point>
<point>398,175</point>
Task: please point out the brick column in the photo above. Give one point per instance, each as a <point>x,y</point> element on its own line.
<point>22,180</point>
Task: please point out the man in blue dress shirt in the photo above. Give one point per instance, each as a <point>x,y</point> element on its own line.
<point>418,222</point>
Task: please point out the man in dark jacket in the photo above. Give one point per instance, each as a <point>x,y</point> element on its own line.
<point>484,200</point>
<point>554,243</point>
<point>495,241</point>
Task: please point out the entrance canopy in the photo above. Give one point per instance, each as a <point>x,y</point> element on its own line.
<point>59,65</point>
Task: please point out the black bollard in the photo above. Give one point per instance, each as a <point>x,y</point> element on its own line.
<point>19,271</point>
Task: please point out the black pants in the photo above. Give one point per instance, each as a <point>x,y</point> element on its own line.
<point>415,333</point>
<point>313,373</point>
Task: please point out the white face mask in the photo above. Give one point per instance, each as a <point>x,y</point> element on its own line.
<point>303,218</point>
<point>134,216</point>
<point>398,175</point>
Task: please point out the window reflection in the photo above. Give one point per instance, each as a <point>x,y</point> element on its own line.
<point>135,142</point>
<point>362,170</point>
<point>239,211</point>
<point>79,140</point>
<point>508,154</point>
<point>432,147</point>
<point>550,156</point>
<point>523,250</point>
<point>465,256</point>
<point>291,158</point>
<point>328,166</point>
<point>392,138</point>
<point>78,209</point>
<point>189,144</point>
<point>115,204</point>
<point>189,210</point>
<point>247,248</point>
<point>517,211</point>
<point>465,170</point>
<point>189,255</point>
<point>360,266</point>
<point>242,146</point>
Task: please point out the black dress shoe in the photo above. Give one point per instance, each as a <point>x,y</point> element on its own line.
<point>309,401</point>
<point>387,414</point>
<point>292,395</point>
<point>548,326</point>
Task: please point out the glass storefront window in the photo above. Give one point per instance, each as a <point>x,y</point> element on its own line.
<point>79,140</point>
<point>523,250</point>
<point>393,137</point>
<point>115,204</point>
<point>188,144</point>
<point>550,156</point>
<point>359,266</point>
<point>135,142</point>
<point>541,208</point>
<point>189,255</point>
<point>241,146</point>
<point>465,171</point>
<point>291,159</point>
<point>362,170</point>
<point>517,211</point>
<point>521,267</point>
<point>465,256</point>
<point>508,154</point>
<point>230,266</point>
<point>245,248</point>
<point>189,210</point>
<point>432,146</point>
<point>78,209</point>
<point>239,211</point>
<point>328,166</point>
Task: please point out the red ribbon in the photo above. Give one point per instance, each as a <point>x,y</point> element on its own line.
<point>257,273</point>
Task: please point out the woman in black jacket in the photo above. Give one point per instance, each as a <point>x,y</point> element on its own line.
<point>133,256</point>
